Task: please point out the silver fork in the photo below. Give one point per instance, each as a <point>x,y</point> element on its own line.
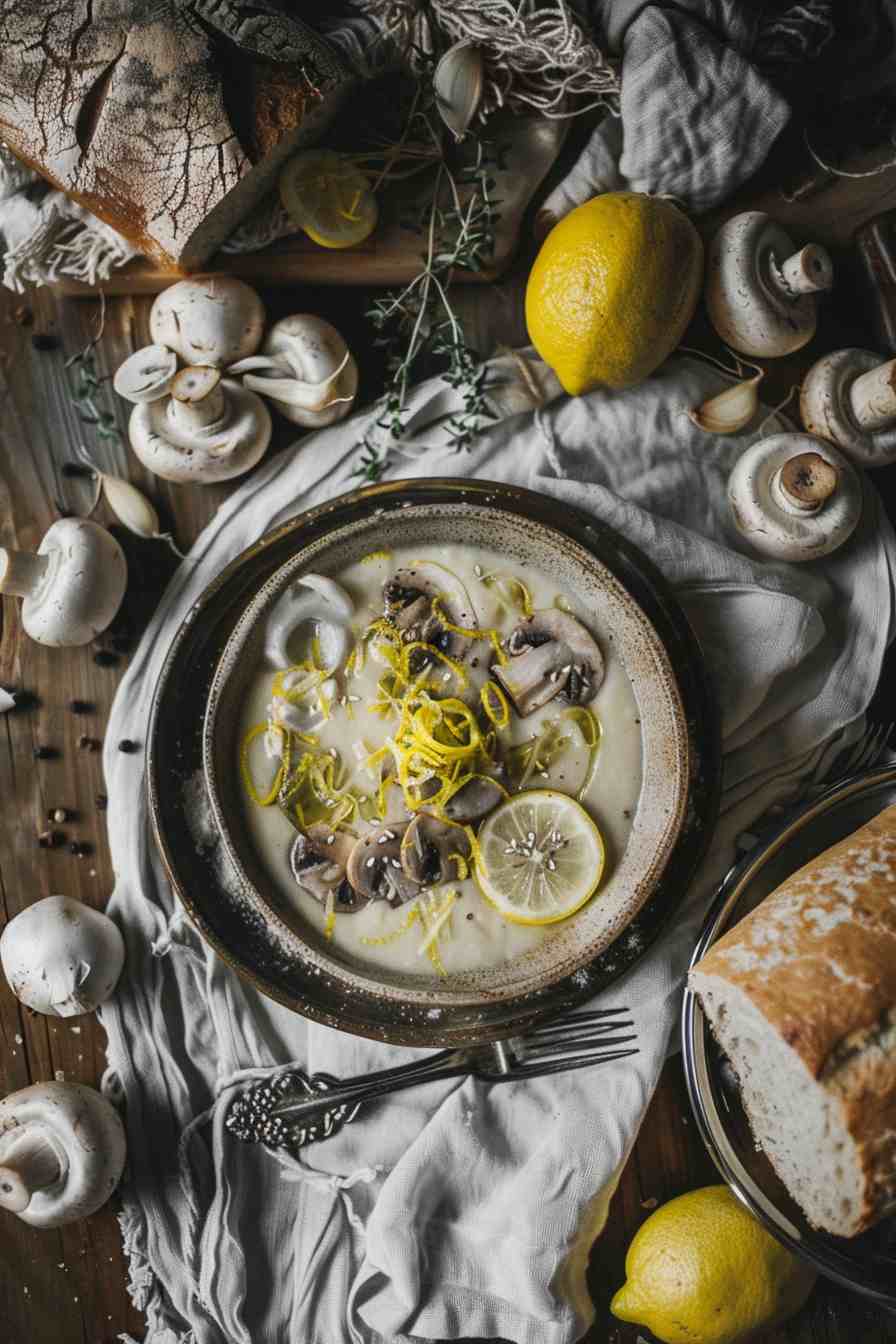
<point>578,1041</point>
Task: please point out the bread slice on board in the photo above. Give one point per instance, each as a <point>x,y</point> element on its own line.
<point>168,119</point>
<point>801,996</point>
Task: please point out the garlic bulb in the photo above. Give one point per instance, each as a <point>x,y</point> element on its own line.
<point>61,957</point>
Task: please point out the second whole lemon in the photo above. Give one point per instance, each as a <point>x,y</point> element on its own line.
<point>701,1268</point>
<point>613,289</point>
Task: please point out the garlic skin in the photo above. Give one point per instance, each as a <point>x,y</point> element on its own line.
<point>305,369</point>
<point>62,1152</point>
<point>60,957</point>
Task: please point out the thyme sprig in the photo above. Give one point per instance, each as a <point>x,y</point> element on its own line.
<point>417,325</point>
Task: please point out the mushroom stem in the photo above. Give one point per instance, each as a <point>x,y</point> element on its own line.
<point>22,572</point>
<point>29,1165</point>
<point>808,271</point>
<point>197,398</point>
<point>804,483</point>
<point>872,397</point>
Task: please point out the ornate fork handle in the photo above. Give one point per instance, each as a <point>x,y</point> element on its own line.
<point>368,1086</point>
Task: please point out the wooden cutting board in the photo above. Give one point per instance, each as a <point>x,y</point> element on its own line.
<point>392,255</point>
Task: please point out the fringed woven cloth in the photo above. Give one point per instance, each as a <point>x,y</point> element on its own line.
<point>690,111</point>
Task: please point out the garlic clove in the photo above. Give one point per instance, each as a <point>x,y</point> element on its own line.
<point>146,375</point>
<point>457,84</point>
<point>731,410</point>
<point>132,509</point>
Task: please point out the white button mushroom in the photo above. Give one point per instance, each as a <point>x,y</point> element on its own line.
<point>849,398</point>
<point>61,957</point>
<point>208,319</point>
<point>760,291</point>
<point>72,587</point>
<point>306,369</point>
<point>147,374</point>
<point>794,497</point>
<point>209,429</point>
<point>62,1151</point>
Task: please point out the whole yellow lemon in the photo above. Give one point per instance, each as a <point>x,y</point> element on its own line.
<point>613,289</point>
<point>702,1270</point>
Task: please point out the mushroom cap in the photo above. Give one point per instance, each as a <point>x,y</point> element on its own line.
<point>204,455</point>
<point>774,530</point>
<point>552,653</point>
<point>82,588</point>
<point>61,957</point>
<point>431,847</point>
<point>147,374</point>
<point>208,319</point>
<point>375,869</point>
<point>408,596</point>
<point>318,859</point>
<point>748,309</point>
<point>825,409</point>
<point>88,1137</point>
<point>314,350</point>
<point>474,800</point>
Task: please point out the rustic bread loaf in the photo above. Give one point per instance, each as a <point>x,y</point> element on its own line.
<point>169,119</point>
<point>801,996</point>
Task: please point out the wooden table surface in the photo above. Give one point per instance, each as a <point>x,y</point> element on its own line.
<point>69,1286</point>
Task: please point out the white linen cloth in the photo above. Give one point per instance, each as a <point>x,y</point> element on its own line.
<point>459,1209</point>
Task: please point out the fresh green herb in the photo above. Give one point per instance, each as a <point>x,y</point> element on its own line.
<point>417,325</point>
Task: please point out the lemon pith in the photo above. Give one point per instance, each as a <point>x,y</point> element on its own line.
<point>702,1268</point>
<point>612,290</point>
<point>539,857</point>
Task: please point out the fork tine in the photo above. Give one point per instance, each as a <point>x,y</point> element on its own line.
<point>562,1065</point>
<point>575,1020</point>
<point>578,1043</point>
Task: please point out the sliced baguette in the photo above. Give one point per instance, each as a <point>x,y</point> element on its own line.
<point>801,996</point>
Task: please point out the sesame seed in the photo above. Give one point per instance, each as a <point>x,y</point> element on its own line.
<point>371,861</point>
<point>395,863</point>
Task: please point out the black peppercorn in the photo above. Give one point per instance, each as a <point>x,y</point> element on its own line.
<point>51,839</point>
<point>44,340</point>
<point>82,707</point>
<point>76,469</point>
<point>88,743</point>
<point>45,753</point>
<point>102,802</point>
<point>105,658</point>
<point>127,746</point>
<point>80,848</point>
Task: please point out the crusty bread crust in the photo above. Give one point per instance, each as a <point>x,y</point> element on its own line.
<point>123,105</point>
<point>818,960</point>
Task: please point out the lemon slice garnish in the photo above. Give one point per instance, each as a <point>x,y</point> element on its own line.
<point>539,857</point>
<point>329,198</point>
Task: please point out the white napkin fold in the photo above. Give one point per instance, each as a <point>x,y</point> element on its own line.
<point>454,1210</point>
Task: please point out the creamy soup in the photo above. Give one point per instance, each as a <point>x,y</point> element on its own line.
<point>448,926</point>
